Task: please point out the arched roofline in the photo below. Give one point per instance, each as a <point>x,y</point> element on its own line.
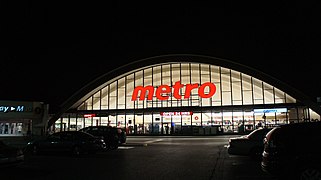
<point>97,83</point>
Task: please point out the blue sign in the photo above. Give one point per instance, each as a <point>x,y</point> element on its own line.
<point>6,109</point>
<point>270,110</point>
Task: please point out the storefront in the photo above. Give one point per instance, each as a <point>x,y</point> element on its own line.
<point>184,95</point>
<point>20,118</point>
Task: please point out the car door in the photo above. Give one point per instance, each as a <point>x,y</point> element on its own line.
<point>66,142</point>
<point>50,143</point>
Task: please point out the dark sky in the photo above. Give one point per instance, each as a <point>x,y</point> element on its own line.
<point>52,50</point>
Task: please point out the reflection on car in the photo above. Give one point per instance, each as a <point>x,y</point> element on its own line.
<point>74,142</point>
<point>293,151</point>
<point>113,136</point>
<point>10,156</point>
<point>248,145</point>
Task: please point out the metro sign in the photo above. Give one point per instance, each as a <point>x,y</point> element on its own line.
<point>162,92</point>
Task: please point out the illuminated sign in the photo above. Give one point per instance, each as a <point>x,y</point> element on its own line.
<point>6,109</point>
<point>175,113</point>
<point>270,110</point>
<point>89,115</point>
<point>163,91</point>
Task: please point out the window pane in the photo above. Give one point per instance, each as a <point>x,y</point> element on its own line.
<point>247,97</point>
<point>246,82</point>
<point>195,73</point>
<point>88,104</point>
<point>237,95</point>
<point>113,95</point>
<point>226,83</point>
<point>104,98</point>
<point>257,89</point>
<point>236,76</point>
<point>268,96</point>
<point>185,74</point>
<point>226,99</point>
<point>96,101</point>
<point>121,94</point>
<point>215,73</point>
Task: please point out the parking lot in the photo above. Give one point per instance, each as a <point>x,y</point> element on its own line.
<point>146,158</point>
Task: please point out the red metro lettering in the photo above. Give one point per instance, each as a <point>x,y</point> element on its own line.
<point>163,91</point>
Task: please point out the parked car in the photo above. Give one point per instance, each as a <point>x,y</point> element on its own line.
<point>248,145</point>
<point>293,151</point>
<point>113,136</point>
<point>10,156</point>
<point>74,142</point>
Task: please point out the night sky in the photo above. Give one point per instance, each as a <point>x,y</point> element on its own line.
<point>52,50</point>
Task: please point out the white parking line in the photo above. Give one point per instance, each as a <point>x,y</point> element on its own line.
<point>153,141</point>
<point>125,147</point>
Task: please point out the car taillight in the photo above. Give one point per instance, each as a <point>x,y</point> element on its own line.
<point>266,144</point>
<point>99,140</point>
<point>264,140</point>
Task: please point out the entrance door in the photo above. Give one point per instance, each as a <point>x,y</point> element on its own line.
<point>166,125</point>
<point>166,128</point>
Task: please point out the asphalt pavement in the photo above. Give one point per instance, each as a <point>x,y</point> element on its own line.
<point>224,166</point>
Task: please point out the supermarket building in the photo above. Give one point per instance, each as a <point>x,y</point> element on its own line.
<point>184,94</point>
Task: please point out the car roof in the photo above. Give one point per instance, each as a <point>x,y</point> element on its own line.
<point>305,128</point>
<point>111,127</point>
<point>259,130</point>
<point>71,132</point>
<point>303,125</point>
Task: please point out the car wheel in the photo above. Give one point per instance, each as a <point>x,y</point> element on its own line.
<point>76,151</point>
<point>34,150</point>
<point>310,173</point>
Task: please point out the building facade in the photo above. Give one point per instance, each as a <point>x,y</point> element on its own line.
<point>184,95</point>
<point>23,118</point>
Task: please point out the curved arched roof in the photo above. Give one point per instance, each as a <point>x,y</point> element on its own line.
<point>98,83</point>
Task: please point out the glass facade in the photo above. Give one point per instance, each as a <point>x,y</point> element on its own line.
<point>185,98</point>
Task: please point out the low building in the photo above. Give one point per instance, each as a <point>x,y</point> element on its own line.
<point>23,118</point>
